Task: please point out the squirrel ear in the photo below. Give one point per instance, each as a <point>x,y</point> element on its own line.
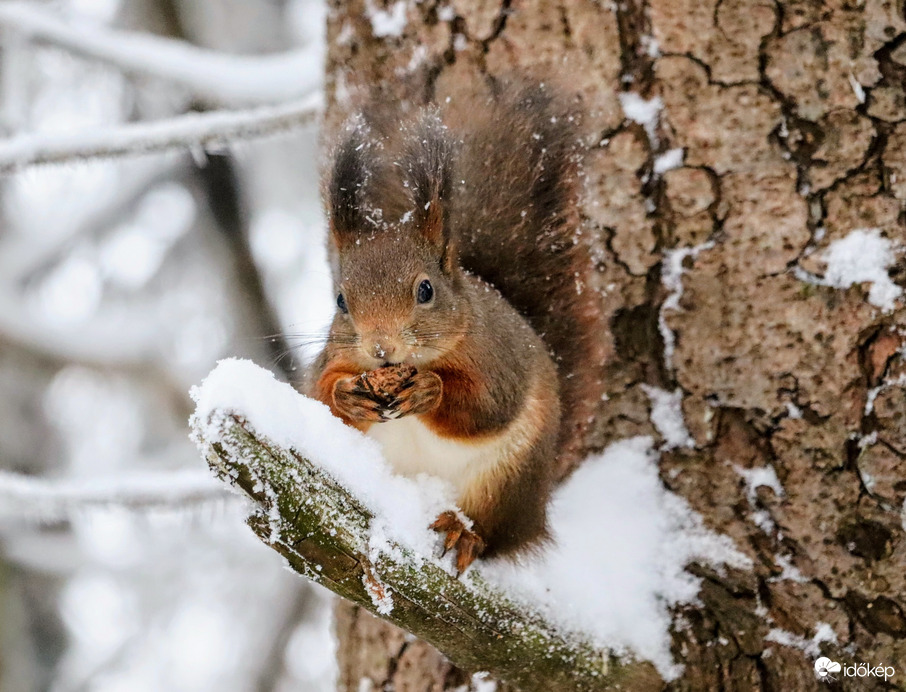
<point>426,168</point>
<point>432,225</point>
<point>434,228</point>
<point>345,187</point>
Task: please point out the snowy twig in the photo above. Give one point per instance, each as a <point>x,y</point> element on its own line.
<point>323,532</point>
<point>40,500</point>
<point>189,131</point>
<point>211,77</point>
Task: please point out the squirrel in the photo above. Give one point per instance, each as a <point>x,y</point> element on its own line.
<point>466,330</point>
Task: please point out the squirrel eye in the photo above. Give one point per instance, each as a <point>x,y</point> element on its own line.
<point>341,303</point>
<point>425,292</point>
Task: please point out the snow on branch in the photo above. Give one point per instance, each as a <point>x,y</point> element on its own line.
<point>368,547</point>
<point>28,499</point>
<point>191,131</point>
<point>210,76</point>
<point>325,499</point>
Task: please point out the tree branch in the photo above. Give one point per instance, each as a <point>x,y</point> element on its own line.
<point>323,532</point>
<point>189,131</point>
<point>223,190</point>
<point>210,76</point>
<point>41,500</point>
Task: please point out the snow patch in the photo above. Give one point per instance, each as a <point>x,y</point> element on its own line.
<point>632,539</point>
<point>870,398</point>
<point>381,595</point>
<point>792,411</point>
<point>789,571</point>
<point>857,88</point>
<point>863,256</point>
<point>672,280</point>
<point>868,440</point>
<point>480,682</point>
<point>670,159</point>
<point>873,393</point>
<point>762,519</point>
<point>621,540</point>
<point>446,13</point>
<point>811,647</point>
<point>646,112</point>
<point>390,22</point>
<point>757,477</point>
<point>667,416</point>
<point>650,45</point>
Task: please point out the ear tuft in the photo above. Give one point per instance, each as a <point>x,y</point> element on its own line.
<point>426,166</point>
<point>352,168</point>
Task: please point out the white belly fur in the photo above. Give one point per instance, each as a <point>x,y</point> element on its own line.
<point>411,448</point>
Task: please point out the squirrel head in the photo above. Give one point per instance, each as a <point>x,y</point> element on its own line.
<point>396,273</point>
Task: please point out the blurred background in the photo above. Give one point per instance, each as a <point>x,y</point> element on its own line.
<point>123,566</point>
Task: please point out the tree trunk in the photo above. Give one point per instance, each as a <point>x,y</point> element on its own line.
<point>792,122</point>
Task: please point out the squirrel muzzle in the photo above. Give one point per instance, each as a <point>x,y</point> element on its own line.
<point>384,347</point>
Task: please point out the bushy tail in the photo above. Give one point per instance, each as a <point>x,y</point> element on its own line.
<point>515,211</point>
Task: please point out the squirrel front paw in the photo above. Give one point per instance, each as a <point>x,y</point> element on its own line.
<point>420,394</point>
<point>354,403</point>
<point>386,394</point>
<point>469,545</point>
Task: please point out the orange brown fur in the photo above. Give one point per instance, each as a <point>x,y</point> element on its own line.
<point>458,415</point>
<point>504,503</point>
<point>483,190</point>
<point>326,388</point>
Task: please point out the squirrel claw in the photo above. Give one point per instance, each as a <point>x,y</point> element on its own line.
<point>452,538</point>
<point>390,414</point>
<point>469,545</point>
<point>420,394</point>
<point>350,403</point>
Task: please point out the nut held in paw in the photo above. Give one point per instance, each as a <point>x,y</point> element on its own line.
<point>384,383</point>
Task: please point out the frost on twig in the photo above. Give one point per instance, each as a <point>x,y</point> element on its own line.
<point>190,131</point>
<point>26,499</point>
<point>328,535</point>
<point>211,77</point>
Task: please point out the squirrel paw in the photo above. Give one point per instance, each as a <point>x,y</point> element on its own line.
<point>469,545</point>
<point>355,403</point>
<point>420,394</point>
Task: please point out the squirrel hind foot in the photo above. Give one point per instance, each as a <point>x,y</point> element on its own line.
<point>469,545</point>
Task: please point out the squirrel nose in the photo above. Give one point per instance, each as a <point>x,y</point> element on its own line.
<point>379,351</point>
<point>382,347</point>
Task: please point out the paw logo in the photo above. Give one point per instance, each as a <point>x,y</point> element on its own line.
<point>824,667</point>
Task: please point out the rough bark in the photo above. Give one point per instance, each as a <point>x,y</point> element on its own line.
<point>792,120</point>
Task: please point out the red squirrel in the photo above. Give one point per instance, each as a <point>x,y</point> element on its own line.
<point>465,333</point>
